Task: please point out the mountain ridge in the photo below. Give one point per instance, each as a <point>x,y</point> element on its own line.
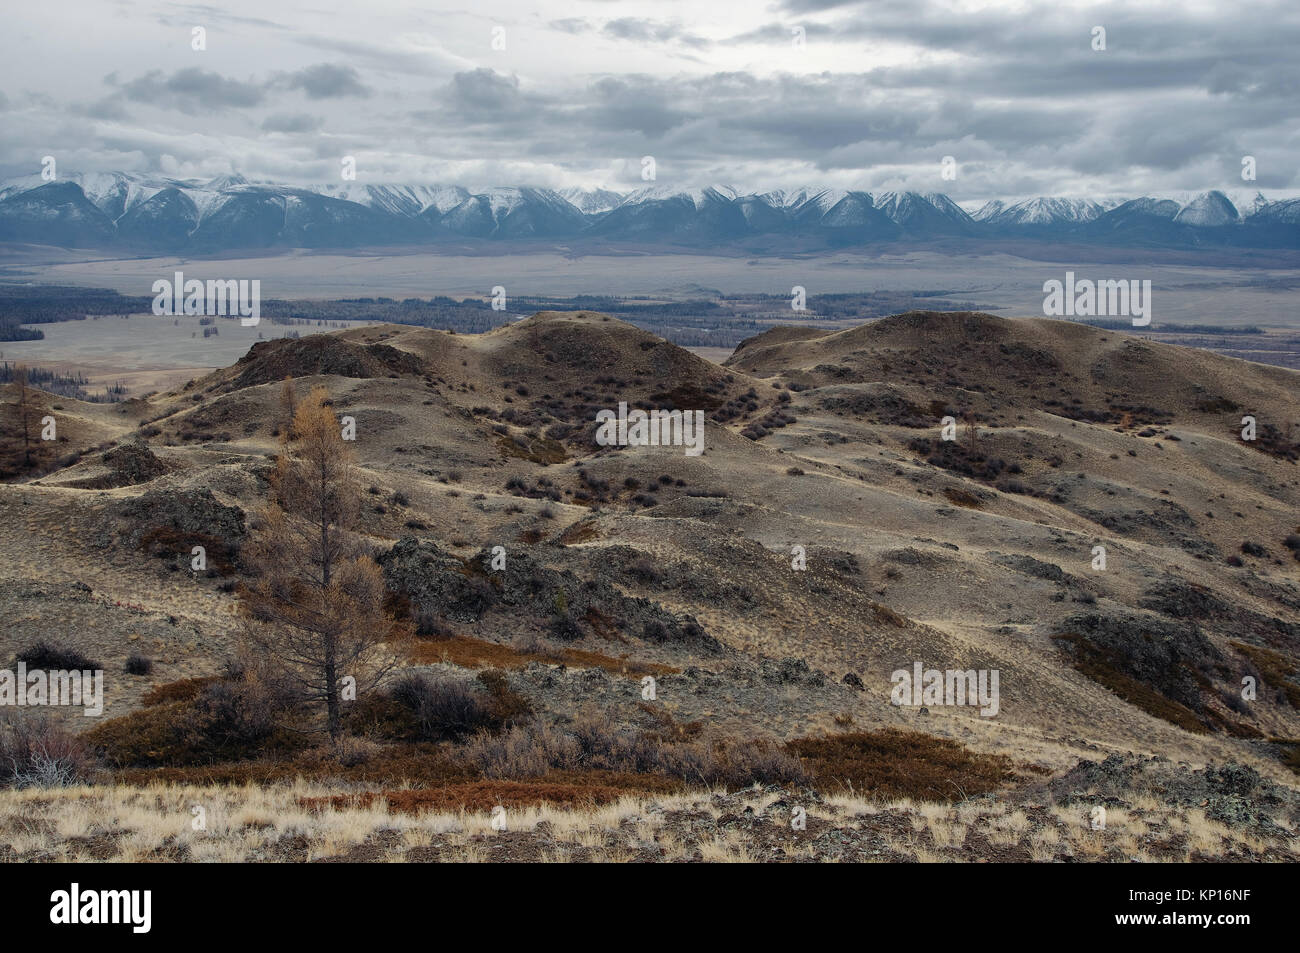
<point>171,215</point>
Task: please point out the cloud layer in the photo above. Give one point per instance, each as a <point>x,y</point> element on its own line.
<point>854,95</point>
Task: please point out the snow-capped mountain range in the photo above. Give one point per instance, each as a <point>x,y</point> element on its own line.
<point>155,213</point>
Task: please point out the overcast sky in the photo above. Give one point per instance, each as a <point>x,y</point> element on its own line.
<point>718,91</point>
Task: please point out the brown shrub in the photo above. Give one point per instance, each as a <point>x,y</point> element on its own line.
<point>186,689</point>
<point>399,764</point>
<point>962,498</point>
<point>469,652</point>
<point>505,707</point>
<point>440,708</point>
<point>225,720</point>
<point>891,764</point>
<point>420,707</point>
<point>562,789</point>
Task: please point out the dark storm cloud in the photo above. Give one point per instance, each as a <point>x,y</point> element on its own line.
<point>327,81</point>
<point>192,90</point>
<point>637,104</point>
<point>485,89</point>
<point>486,97</point>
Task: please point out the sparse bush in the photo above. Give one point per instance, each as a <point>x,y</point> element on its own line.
<point>36,752</point>
<point>892,764</point>
<point>564,626</point>
<point>232,715</point>
<point>442,708</point>
<point>654,631</point>
<point>137,664</point>
<point>429,624</point>
<point>222,719</point>
<point>504,706</point>
<point>187,689</point>
<point>644,571</point>
<point>523,752</point>
<point>678,751</point>
<point>49,656</point>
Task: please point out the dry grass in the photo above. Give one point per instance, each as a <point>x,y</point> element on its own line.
<point>304,821</point>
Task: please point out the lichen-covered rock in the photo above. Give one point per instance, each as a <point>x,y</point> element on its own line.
<point>178,513</point>
<point>565,605</point>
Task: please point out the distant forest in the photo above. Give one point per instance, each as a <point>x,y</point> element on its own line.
<point>64,385</point>
<point>723,321</point>
<point>719,322</point>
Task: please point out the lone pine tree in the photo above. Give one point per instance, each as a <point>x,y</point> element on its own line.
<point>315,599</point>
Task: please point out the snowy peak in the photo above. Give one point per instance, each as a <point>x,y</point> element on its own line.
<point>228,211</point>
<point>1207,210</point>
<point>1042,210</point>
<point>398,199</point>
<point>223,182</point>
<point>916,208</point>
<point>698,198</point>
<point>591,201</point>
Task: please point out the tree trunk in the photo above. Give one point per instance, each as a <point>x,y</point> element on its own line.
<point>332,692</point>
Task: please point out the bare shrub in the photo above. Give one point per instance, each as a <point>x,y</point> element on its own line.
<point>37,752</point>
<point>442,708</point>
<point>51,657</point>
<point>594,744</point>
<point>523,752</point>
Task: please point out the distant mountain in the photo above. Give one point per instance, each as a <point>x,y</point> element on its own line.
<point>591,201</point>
<point>925,215</point>
<point>57,213</point>
<point>399,199</point>
<point>1044,210</point>
<point>163,215</point>
<point>509,213</point>
<point>1208,210</point>
<point>1285,212</point>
